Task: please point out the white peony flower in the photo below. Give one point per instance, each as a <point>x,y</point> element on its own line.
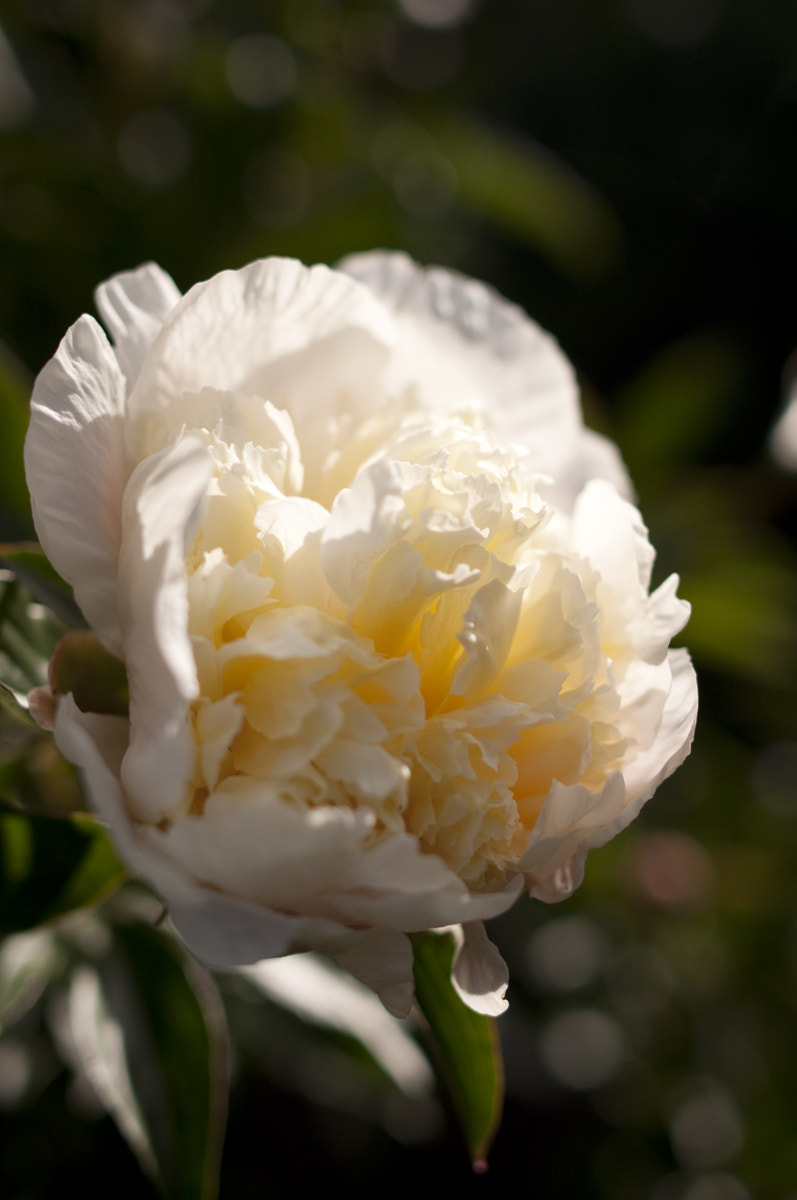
<point>382,600</point>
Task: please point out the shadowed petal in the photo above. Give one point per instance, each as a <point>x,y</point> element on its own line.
<point>76,470</point>
<point>162,506</point>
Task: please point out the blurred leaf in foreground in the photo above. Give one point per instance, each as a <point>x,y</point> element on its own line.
<point>148,1031</point>
<point>28,963</point>
<point>28,562</point>
<point>464,1045</point>
<point>28,635</point>
<point>528,191</point>
<point>50,866</point>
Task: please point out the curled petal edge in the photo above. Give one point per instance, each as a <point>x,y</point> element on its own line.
<point>479,974</point>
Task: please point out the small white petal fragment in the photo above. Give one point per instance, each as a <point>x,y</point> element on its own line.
<point>478,973</point>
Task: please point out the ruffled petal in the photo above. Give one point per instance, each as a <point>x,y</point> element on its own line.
<point>162,506</point>
<point>134,305</point>
<point>574,820</point>
<point>76,470</point>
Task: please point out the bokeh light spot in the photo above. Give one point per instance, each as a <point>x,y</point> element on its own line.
<point>154,148</point>
<point>261,70</point>
<point>705,1126</point>
<point>582,1049</point>
<point>566,954</point>
<point>436,14</point>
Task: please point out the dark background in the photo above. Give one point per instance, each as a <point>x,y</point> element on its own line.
<point>625,170</point>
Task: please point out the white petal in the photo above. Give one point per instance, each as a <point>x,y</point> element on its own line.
<point>574,820</point>
<point>228,932</point>
<point>251,844</point>
<point>396,885</point>
<point>479,974</point>
<point>134,306</point>
<point>563,882</point>
<point>304,338</point>
<point>783,438</point>
<point>673,741</point>
<point>290,530</point>
<point>461,344</point>
<point>365,520</point>
<point>488,628</point>
<point>162,506</point>
<point>96,745</point>
<point>382,959</point>
<point>76,470</point>
<point>223,931</point>
<point>610,534</point>
<point>591,456</point>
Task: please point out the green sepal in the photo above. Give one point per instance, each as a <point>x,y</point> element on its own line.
<point>98,681</point>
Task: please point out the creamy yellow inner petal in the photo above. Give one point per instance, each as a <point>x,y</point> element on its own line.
<point>429,655</point>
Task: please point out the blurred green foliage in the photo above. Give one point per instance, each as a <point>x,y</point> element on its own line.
<point>623,169</point>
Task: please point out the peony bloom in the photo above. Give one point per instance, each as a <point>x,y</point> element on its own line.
<point>382,600</point>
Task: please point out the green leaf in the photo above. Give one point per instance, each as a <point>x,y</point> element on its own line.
<point>28,635</point>
<point>464,1046</point>
<point>149,1028</point>
<point>525,188</point>
<point>50,866</point>
<point>30,565</point>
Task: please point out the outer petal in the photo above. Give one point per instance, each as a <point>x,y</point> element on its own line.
<point>221,930</point>
<point>398,886</point>
<point>162,505</point>
<point>673,741</point>
<point>226,932</point>
<point>134,306</point>
<point>301,337</point>
<point>382,958</point>
<point>76,470</point>
<point>250,844</point>
<point>462,344</point>
<point>96,745</point>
